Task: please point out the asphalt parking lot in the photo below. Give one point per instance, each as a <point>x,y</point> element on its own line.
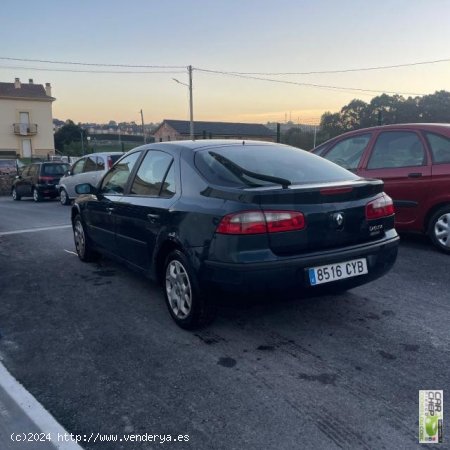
<point>96,346</point>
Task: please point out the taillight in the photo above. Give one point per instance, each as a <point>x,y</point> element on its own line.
<point>257,222</point>
<point>110,162</point>
<point>382,206</point>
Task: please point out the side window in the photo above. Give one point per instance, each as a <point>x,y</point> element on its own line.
<point>34,169</point>
<point>348,152</point>
<point>90,165</point>
<point>78,167</point>
<point>395,149</point>
<point>151,177</point>
<point>440,148</point>
<point>100,163</point>
<point>116,179</point>
<point>168,187</point>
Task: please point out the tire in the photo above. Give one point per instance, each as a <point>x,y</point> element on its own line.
<point>83,244</point>
<point>63,197</point>
<point>179,277</point>
<point>36,196</point>
<point>15,195</point>
<point>439,229</point>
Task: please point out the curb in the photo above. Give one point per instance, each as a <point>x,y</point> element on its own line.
<point>21,414</point>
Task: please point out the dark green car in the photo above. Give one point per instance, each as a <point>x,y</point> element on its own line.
<point>198,216</point>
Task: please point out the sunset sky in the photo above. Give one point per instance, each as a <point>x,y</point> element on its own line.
<point>229,36</point>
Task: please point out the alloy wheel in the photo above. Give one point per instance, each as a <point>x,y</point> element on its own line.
<point>442,230</point>
<point>63,197</point>
<point>79,237</point>
<point>178,289</point>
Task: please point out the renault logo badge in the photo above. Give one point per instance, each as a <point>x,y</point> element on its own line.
<point>338,220</point>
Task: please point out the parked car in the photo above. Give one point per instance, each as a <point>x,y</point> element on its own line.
<point>8,167</point>
<point>235,215</point>
<point>413,160</point>
<point>88,169</point>
<point>38,180</point>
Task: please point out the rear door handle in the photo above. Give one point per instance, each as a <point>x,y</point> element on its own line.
<point>110,210</point>
<point>414,175</point>
<point>153,217</point>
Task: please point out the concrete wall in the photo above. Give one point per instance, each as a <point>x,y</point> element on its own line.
<point>40,113</point>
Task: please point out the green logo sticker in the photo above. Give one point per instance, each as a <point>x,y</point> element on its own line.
<point>431,417</point>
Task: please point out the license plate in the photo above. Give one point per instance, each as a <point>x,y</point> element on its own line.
<point>339,271</point>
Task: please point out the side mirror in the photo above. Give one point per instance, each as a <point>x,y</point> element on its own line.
<point>86,188</point>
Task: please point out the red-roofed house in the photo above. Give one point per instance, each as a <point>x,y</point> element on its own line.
<point>26,123</point>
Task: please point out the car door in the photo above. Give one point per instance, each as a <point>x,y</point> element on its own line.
<point>22,185</point>
<point>91,172</point>
<point>73,177</point>
<point>31,179</point>
<point>101,210</point>
<point>144,211</point>
<point>400,159</point>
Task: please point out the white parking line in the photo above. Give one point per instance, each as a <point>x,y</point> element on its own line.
<point>35,412</point>
<point>72,253</point>
<point>34,230</point>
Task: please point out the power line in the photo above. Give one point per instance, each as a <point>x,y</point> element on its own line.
<point>91,71</point>
<point>361,69</point>
<point>48,61</point>
<point>144,66</point>
<point>322,86</point>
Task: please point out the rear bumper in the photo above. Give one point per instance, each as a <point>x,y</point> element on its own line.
<point>287,273</point>
<point>47,190</point>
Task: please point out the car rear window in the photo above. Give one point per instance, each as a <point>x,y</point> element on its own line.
<point>114,158</point>
<point>242,165</point>
<point>55,169</point>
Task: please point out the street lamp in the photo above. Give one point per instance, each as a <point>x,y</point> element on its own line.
<point>191,103</point>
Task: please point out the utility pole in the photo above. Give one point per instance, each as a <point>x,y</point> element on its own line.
<point>143,128</point>
<point>82,141</point>
<point>191,105</point>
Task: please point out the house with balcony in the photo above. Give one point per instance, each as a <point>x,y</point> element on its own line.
<point>26,123</point>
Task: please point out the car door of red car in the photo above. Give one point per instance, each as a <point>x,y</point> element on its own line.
<point>400,158</point>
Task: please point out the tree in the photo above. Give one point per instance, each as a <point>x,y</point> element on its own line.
<point>435,107</point>
<point>387,109</point>
<point>67,134</point>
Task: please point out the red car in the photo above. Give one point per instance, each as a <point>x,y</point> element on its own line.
<point>413,160</point>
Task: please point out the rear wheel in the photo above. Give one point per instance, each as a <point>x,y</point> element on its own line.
<point>439,229</point>
<point>15,195</point>
<point>63,197</point>
<point>36,196</point>
<point>187,305</point>
<point>83,244</point>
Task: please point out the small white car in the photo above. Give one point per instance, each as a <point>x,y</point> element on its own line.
<point>88,169</point>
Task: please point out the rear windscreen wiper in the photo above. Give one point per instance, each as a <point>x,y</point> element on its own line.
<point>240,171</point>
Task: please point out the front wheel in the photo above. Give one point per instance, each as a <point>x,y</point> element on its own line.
<point>83,244</point>
<point>15,195</point>
<point>439,229</point>
<point>63,197</point>
<point>187,305</point>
